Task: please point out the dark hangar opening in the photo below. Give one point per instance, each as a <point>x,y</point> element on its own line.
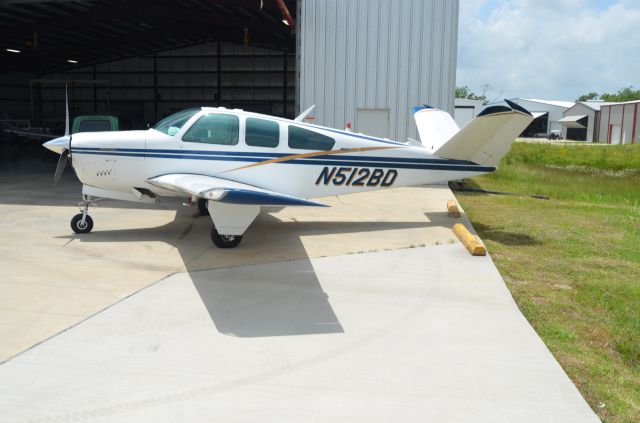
<point>141,60</point>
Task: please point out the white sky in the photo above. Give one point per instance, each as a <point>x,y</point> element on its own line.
<point>550,49</point>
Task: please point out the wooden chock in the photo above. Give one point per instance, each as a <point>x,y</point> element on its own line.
<point>470,241</point>
<point>452,208</point>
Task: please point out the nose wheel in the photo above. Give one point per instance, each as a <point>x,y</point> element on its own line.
<point>82,223</point>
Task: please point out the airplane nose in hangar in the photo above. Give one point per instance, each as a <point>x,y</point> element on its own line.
<point>58,144</point>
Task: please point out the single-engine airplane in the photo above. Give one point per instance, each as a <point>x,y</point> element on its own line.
<point>231,162</point>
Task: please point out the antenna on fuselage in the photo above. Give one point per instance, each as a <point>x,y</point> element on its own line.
<point>304,114</point>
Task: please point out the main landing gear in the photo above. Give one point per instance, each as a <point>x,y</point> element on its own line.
<point>230,221</point>
<point>202,206</point>
<point>224,241</point>
<point>82,223</point>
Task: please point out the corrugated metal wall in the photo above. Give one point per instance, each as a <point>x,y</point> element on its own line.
<point>620,124</point>
<point>149,87</point>
<point>376,54</point>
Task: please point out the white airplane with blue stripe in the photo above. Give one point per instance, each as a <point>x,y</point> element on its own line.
<point>232,163</point>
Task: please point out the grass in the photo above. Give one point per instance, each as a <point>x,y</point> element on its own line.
<point>572,262</point>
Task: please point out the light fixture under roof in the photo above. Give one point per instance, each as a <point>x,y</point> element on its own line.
<point>13,50</point>
<point>72,61</point>
<point>286,22</point>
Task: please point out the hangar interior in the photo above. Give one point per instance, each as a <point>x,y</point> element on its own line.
<point>140,60</point>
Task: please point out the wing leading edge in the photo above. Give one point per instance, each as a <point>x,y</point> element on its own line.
<point>226,191</point>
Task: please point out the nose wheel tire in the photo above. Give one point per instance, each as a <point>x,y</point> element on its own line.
<point>224,241</point>
<point>80,227</point>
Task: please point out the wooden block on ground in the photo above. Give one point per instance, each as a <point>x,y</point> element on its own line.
<point>470,241</point>
<point>452,208</point>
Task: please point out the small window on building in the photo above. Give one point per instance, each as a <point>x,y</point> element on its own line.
<point>309,140</point>
<point>262,133</point>
<point>214,129</point>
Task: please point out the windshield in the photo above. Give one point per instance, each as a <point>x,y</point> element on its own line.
<point>175,120</point>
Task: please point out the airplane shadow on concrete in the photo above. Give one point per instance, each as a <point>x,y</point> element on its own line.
<point>280,297</point>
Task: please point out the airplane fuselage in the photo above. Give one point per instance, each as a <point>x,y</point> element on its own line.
<point>120,161</point>
<point>231,163</point>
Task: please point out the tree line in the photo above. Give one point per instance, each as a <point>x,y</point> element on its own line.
<point>623,94</point>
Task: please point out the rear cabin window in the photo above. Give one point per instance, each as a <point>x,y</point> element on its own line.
<point>262,133</point>
<point>214,129</point>
<point>304,139</point>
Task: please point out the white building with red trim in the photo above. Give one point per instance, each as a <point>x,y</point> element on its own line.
<point>620,123</point>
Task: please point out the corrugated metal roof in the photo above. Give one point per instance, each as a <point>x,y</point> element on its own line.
<point>536,115</point>
<point>572,118</point>
<point>623,102</point>
<point>49,32</point>
<point>572,121</point>
<point>595,105</point>
<point>557,103</point>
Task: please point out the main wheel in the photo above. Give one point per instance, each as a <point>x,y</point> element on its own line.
<point>80,227</point>
<point>224,241</point>
<point>202,206</point>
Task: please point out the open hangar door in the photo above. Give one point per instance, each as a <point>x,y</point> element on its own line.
<point>140,61</point>
<point>576,127</point>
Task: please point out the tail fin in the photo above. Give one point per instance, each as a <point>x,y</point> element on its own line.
<point>488,137</point>
<point>434,126</point>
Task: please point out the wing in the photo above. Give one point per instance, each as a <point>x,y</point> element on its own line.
<point>30,134</point>
<point>226,191</point>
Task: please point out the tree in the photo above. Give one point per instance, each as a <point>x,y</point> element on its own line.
<point>465,92</point>
<point>624,94</point>
<point>591,96</point>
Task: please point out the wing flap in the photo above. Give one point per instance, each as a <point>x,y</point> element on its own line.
<point>226,191</point>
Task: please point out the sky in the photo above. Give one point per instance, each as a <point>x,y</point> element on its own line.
<point>549,49</point>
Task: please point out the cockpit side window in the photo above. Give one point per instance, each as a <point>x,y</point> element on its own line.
<point>214,129</point>
<point>172,123</point>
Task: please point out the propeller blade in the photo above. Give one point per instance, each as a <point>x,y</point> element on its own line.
<point>62,163</point>
<point>66,105</point>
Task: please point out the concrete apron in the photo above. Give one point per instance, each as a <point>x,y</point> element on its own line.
<point>420,334</point>
<point>409,334</point>
<point>51,279</point>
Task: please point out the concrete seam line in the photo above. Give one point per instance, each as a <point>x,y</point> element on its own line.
<point>86,318</point>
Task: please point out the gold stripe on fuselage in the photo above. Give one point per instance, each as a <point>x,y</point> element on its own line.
<point>312,154</point>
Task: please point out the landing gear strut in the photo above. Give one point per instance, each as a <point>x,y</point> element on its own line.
<point>82,223</point>
<point>202,206</point>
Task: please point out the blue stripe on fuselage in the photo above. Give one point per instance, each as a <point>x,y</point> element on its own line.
<point>264,156</point>
<point>322,161</point>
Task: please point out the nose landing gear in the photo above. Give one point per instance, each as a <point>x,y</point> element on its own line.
<point>82,223</point>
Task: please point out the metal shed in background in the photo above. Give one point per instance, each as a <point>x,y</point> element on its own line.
<point>546,115</point>
<point>620,123</point>
<point>581,122</point>
<point>369,63</point>
<point>465,110</point>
